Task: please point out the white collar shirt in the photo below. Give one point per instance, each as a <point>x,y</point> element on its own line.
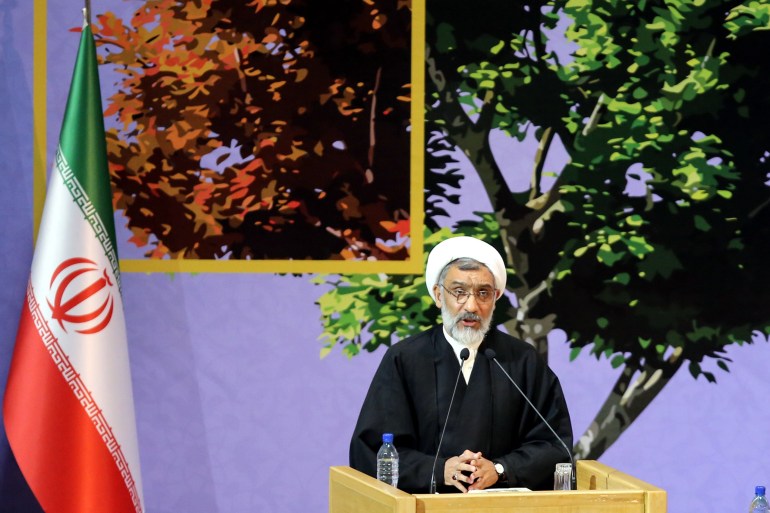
<point>457,347</point>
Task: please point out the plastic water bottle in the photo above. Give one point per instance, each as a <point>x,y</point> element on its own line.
<point>387,461</point>
<point>759,504</point>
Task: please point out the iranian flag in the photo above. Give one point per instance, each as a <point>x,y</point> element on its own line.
<point>68,407</point>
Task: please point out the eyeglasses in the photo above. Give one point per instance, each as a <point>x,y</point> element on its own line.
<point>483,296</point>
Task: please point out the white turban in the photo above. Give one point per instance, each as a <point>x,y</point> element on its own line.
<point>464,247</point>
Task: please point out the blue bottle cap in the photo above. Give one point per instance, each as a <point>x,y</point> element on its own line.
<point>387,438</point>
<point>759,490</point>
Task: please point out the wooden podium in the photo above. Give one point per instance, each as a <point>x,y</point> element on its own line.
<point>601,489</point>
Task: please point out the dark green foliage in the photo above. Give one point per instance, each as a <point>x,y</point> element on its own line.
<point>653,242</point>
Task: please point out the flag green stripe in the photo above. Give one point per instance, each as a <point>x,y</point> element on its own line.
<point>82,140</point>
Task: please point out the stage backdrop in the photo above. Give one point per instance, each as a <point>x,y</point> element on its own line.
<point>616,154</point>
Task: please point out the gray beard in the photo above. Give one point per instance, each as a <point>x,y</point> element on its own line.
<point>463,335</point>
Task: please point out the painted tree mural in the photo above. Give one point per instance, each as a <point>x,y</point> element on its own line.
<point>263,129</point>
<point>649,245</point>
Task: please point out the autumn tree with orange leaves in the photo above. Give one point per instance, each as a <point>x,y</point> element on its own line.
<point>263,129</point>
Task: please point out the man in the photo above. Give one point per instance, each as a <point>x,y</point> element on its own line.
<point>492,437</point>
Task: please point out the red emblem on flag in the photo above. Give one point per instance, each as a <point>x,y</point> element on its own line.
<point>78,298</point>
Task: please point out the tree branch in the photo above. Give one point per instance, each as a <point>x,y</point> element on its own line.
<point>372,125</point>
<point>627,400</point>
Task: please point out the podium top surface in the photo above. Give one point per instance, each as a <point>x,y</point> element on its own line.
<point>601,489</point>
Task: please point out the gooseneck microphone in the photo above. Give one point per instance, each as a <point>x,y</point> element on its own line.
<point>490,353</point>
<point>464,355</point>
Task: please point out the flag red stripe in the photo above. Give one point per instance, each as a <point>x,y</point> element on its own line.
<point>59,451</point>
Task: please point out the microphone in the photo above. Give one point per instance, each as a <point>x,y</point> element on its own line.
<point>490,353</point>
<point>464,355</point>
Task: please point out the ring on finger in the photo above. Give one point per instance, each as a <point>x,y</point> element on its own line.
<point>454,476</point>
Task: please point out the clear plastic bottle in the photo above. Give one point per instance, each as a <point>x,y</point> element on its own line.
<point>759,504</point>
<point>387,461</point>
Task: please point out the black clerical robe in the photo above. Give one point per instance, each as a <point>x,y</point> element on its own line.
<point>410,394</point>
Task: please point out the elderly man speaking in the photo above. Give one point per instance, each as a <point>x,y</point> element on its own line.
<point>491,436</point>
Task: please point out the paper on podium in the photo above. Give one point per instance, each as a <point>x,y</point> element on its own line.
<point>497,490</point>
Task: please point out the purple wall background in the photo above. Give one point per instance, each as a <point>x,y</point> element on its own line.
<point>236,412</point>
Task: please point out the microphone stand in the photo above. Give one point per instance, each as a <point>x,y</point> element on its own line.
<point>490,353</point>
<point>464,355</point>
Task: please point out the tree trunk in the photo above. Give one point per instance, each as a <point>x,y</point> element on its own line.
<point>533,331</point>
<point>633,391</point>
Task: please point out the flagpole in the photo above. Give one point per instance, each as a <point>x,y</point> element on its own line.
<point>87,14</point>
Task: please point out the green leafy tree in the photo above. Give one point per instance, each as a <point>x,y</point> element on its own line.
<point>648,245</point>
